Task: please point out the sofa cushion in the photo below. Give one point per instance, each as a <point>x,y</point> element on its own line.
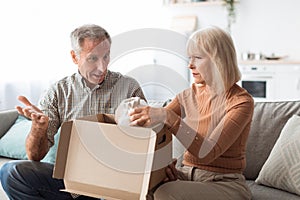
<point>12,144</point>
<point>261,192</point>
<point>282,168</point>
<point>267,123</point>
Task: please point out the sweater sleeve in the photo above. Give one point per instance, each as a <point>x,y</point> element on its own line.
<point>209,130</point>
<point>222,137</point>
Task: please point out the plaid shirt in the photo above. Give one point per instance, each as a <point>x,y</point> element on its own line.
<point>71,98</point>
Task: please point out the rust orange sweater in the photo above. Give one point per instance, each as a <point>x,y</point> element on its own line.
<point>213,129</point>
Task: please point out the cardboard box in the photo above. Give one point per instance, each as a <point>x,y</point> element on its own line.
<point>98,158</point>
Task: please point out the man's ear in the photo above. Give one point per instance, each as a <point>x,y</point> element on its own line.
<point>74,57</point>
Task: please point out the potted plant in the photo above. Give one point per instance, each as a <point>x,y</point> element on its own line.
<point>231,13</point>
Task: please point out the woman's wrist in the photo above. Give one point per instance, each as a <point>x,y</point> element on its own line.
<point>171,118</point>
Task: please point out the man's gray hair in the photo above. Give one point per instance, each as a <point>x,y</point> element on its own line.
<point>90,31</point>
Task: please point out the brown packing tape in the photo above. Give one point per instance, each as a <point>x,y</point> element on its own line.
<point>105,118</point>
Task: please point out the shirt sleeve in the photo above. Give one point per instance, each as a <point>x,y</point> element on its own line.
<point>134,89</point>
<point>49,106</point>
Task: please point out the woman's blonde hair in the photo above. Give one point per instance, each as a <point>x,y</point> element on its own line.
<point>218,45</point>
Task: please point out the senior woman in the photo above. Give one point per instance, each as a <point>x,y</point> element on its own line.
<point>211,119</point>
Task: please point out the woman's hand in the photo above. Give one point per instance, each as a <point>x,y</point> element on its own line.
<point>147,116</point>
<point>171,171</point>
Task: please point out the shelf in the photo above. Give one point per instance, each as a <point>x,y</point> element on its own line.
<point>199,3</point>
<point>271,62</point>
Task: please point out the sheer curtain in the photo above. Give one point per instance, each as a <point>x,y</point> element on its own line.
<point>9,90</point>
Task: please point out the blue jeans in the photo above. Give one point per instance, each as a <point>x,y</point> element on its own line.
<point>22,180</point>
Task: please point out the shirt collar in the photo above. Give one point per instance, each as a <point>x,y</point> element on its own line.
<point>83,81</point>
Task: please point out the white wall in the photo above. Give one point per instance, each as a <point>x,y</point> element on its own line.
<point>34,34</point>
<point>267,26</point>
<point>35,43</point>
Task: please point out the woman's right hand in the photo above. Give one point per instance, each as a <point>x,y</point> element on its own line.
<point>147,116</point>
<point>171,171</point>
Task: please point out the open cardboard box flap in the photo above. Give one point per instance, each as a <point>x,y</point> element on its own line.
<point>98,158</point>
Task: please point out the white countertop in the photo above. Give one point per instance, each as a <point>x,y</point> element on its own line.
<point>271,62</point>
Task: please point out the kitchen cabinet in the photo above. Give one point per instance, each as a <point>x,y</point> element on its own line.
<point>288,82</point>
<point>271,80</point>
<point>259,81</point>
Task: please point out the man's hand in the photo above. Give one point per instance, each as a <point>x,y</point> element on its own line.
<point>39,120</point>
<point>29,108</point>
<point>36,141</point>
<point>171,172</point>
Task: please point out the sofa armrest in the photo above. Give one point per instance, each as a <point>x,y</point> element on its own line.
<point>7,119</point>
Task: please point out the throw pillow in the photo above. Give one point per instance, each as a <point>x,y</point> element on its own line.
<point>51,155</point>
<point>12,144</point>
<point>282,168</point>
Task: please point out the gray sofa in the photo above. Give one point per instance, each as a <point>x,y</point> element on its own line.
<point>7,119</point>
<point>268,121</point>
